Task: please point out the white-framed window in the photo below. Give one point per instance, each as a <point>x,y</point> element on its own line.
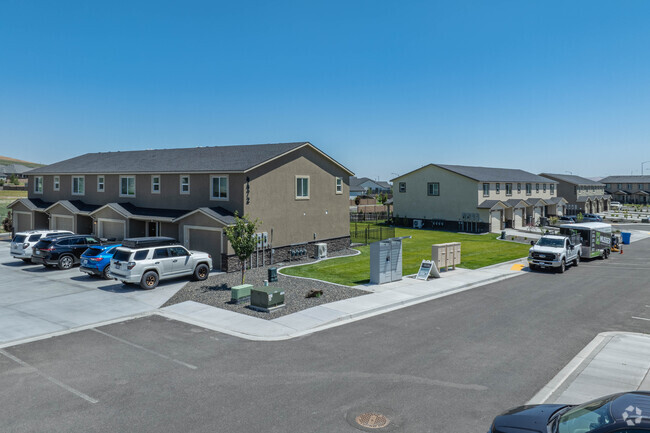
<point>155,184</point>
<point>543,187</point>
<point>185,183</point>
<point>127,186</point>
<point>497,188</point>
<point>433,188</point>
<point>552,188</point>
<point>101,183</point>
<point>486,190</point>
<point>56,184</point>
<point>339,185</point>
<point>529,188</point>
<point>402,187</point>
<point>519,188</point>
<point>38,184</point>
<point>302,187</point>
<point>78,185</point>
<point>218,187</point>
<point>508,189</point>
<point>536,188</point>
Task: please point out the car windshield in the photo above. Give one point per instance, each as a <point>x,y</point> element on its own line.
<point>19,238</point>
<point>550,242</point>
<point>587,417</point>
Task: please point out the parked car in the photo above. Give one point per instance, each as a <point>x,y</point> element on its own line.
<point>148,260</point>
<point>592,218</point>
<point>96,260</point>
<point>566,219</point>
<point>615,205</point>
<point>23,242</point>
<point>609,414</point>
<point>64,252</point>
<point>553,251</point>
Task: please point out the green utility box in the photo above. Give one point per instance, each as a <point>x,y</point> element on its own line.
<point>240,293</point>
<point>273,275</point>
<point>266,298</point>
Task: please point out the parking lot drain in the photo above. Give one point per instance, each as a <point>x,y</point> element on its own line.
<point>372,420</point>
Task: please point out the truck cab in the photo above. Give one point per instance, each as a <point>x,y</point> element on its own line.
<point>554,251</point>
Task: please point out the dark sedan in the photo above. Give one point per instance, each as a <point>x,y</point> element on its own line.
<point>63,252</point>
<point>621,413</point>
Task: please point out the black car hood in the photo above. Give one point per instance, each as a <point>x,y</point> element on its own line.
<point>525,419</point>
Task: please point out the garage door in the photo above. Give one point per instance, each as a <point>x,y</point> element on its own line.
<point>208,241</point>
<point>519,218</point>
<point>111,229</point>
<point>62,223</point>
<point>495,223</point>
<point>22,221</point>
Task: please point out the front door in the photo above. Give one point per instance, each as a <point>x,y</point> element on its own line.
<point>152,228</point>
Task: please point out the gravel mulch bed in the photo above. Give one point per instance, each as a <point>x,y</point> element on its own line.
<point>215,291</point>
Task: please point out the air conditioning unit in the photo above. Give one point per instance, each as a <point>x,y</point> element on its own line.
<point>321,251</point>
<point>418,224</point>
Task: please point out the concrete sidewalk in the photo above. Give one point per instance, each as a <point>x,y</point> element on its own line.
<point>386,297</point>
<point>612,362</point>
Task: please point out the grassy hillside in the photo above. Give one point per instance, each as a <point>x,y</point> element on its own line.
<point>5,160</point>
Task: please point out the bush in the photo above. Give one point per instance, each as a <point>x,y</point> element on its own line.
<point>7,223</point>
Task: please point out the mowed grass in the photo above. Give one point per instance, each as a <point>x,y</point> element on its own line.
<point>6,197</point>
<point>477,251</point>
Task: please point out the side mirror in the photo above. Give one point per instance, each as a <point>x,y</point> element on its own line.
<point>532,243</point>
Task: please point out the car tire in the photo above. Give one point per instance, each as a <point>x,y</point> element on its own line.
<point>65,262</point>
<point>562,267</point>
<point>201,272</point>
<point>576,262</point>
<point>105,272</point>
<point>606,254</point>
<point>26,260</point>
<point>149,280</point>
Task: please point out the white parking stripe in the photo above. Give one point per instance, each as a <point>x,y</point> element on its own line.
<point>184,364</point>
<point>641,318</point>
<point>50,378</point>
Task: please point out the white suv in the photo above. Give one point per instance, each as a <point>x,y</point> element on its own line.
<point>22,243</point>
<point>148,260</point>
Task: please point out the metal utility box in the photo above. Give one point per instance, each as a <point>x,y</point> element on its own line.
<point>267,297</point>
<point>446,255</point>
<point>386,260</point>
<point>240,293</point>
<point>321,250</point>
<point>273,275</point>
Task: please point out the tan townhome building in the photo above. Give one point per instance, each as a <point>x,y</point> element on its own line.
<point>582,195</point>
<point>628,189</point>
<point>473,199</point>
<point>299,193</point>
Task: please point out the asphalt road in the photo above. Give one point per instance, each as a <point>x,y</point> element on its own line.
<point>449,365</point>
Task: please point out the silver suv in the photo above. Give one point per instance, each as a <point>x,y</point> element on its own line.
<point>148,260</point>
<point>23,242</point>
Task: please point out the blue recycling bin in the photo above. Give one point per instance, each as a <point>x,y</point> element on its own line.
<point>626,237</point>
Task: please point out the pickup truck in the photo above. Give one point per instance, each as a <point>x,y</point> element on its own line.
<point>554,251</point>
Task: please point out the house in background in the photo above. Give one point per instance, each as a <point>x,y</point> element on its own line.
<point>583,195</point>
<point>364,185</point>
<point>299,193</point>
<point>18,170</point>
<point>473,199</point>
<point>628,189</point>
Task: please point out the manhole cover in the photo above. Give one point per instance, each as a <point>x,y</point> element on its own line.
<point>372,420</point>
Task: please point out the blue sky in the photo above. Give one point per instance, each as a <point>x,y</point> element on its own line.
<point>382,86</point>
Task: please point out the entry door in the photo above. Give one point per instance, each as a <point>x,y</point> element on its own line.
<point>152,228</point>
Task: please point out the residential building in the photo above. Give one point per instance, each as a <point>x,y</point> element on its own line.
<point>297,192</point>
<point>628,189</point>
<point>474,199</point>
<point>364,185</point>
<point>582,195</point>
<point>8,170</point>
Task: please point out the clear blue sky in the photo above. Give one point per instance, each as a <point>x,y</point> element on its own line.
<point>382,86</point>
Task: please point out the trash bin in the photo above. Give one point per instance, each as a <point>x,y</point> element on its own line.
<point>626,237</point>
<point>503,234</point>
<point>273,275</point>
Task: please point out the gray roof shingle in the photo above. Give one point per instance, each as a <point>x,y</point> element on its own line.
<point>572,179</point>
<point>489,174</point>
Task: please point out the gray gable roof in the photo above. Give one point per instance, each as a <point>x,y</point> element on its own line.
<point>489,174</point>
<point>215,159</point>
<point>572,179</point>
<point>9,169</point>
<point>625,179</point>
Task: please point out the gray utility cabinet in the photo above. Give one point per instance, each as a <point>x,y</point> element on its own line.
<point>386,260</point>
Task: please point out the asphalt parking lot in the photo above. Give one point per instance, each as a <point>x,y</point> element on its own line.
<point>35,300</point>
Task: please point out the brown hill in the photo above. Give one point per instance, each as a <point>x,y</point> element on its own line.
<point>5,160</point>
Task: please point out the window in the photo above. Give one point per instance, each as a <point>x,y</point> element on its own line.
<point>552,189</point>
<point>178,252</point>
<point>498,188</point>
<point>141,255</point>
<point>302,187</point>
<point>219,188</point>
<point>529,188</point>
<point>160,253</point>
<point>544,187</point>
<point>38,184</point>
<point>155,184</point>
<point>402,187</point>
<point>640,186</point>
<point>78,187</point>
<point>508,189</point>
<point>185,184</point>
<point>519,188</point>
<point>486,190</point>
<point>608,185</point>
<point>339,185</point>
<point>537,188</point>
<point>629,186</point>
<point>433,188</point>
<point>619,186</point>
<point>127,186</point>
<point>100,183</point>
<point>57,183</point>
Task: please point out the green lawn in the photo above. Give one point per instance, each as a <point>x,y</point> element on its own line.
<point>477,251</point>
<point>6,197</point>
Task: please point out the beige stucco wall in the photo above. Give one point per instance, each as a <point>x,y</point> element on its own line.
<point>457,195</point>
<point>273,199</point>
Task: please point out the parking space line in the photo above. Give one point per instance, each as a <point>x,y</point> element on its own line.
<point>641,318</point>
<point>49,378</point>
<point>137,346</point>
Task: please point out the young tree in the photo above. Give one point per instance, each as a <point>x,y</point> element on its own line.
<point>243,240</point>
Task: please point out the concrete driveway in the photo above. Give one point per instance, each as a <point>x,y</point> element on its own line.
<point>35,300</point>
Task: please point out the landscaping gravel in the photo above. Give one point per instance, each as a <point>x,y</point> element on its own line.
<point>215,291</point>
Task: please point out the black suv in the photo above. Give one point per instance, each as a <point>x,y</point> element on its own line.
<point>63,251</point>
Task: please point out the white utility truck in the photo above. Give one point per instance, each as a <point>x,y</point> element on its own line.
<point>554,251</point>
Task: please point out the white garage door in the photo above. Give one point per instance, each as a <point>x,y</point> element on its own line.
<point>519,218</point>
<point>62,222</point>
<point>495,221</point>
<point>111,229</point>
<point>22,221</point>
<point>205,240</point>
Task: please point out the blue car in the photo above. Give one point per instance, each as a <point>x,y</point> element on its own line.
<point>96,260</point>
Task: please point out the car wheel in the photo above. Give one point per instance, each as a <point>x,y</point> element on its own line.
<point>149,280</point>
<point>66,262</point>
<point>105,272</point>
<point>201,272</point>
<point>562,267</point>
<point>576,262</point>
<point>607,254</point>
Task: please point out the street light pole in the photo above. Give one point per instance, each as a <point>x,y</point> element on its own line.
<point>642,167</point>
